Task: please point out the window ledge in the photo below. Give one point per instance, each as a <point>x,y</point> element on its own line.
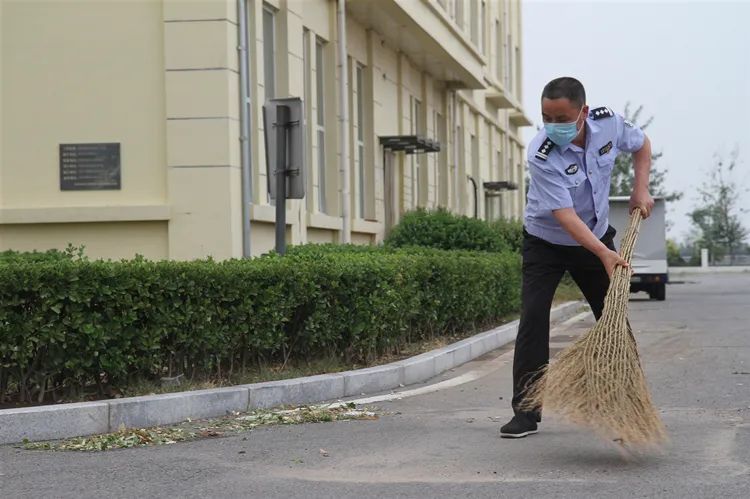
<point>323,221</point>
<point>366,226</point>
<point>267,213</point>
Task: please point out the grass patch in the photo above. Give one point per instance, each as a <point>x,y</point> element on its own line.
<point>567,290</point>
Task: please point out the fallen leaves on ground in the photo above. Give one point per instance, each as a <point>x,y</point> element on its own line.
<point>191,430</point>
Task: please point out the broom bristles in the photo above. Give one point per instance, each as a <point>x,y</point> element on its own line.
<point>598,381</point>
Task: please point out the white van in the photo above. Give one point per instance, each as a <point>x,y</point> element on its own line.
<point>649,262</point>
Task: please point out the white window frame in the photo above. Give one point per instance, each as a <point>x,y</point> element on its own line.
<point>320,121</point>
<point>269,66</point>
<point>416,161</point>
<point>359,139</point>
<point>499,48</point>
<point>459,14</point>
<point>474,31</point>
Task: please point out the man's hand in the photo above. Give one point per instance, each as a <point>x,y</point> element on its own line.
<point>611,259</point>
<point>573,225</point>
<point>640,198</point>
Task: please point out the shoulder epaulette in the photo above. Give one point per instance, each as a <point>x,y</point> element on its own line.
<point>601,112</point>
<point>544,149</point>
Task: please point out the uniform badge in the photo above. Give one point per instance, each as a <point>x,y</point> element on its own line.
<point>601,112</point>
<point>572,169</point>
<point>628,123</point>
<point>604,150</point>
<point>544,149</point>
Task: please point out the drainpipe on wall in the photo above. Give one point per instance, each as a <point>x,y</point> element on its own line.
<point>346,235</point>
<point>476,195</point>
<point>244,126</point>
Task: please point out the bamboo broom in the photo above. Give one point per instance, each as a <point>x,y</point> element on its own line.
<point>598,381</point>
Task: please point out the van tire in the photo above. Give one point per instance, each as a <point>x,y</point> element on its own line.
<point>658,292</point>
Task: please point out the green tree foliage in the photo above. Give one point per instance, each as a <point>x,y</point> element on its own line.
<point>716,218</point>
<point>442,229</point>
<point>623,174</point>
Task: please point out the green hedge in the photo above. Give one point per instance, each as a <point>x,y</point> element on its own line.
<point>67,324</point>
<point>442,229</point>
<point>511,231</point>
<point>71,253</point>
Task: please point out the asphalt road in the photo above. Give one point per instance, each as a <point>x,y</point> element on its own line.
<point>442,441</point>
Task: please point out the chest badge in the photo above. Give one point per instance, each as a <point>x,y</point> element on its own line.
<point>604,150</point>
<point>572,169</point>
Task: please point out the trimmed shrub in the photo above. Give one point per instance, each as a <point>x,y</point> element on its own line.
<point>443,230</point>
<point>53,255</point>
<point>68,324</point>
<point>510,231</point>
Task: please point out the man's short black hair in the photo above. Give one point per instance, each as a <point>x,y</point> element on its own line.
<point>567,88</point>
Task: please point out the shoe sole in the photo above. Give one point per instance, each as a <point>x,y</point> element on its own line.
<point>518,435</point>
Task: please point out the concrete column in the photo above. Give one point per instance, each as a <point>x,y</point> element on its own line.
<point>704,258</point>
<point>203,147</point>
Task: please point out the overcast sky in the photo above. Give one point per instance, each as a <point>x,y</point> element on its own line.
<point>686,62</point>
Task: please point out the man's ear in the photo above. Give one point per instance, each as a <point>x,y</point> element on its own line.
<point>585,113</point>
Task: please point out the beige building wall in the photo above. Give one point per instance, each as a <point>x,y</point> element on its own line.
<point>161,77</point>
<point>67,78</point>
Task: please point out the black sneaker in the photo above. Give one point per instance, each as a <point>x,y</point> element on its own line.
<point>520,426</point>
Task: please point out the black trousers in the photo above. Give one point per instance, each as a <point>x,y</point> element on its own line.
<point>543,266</point>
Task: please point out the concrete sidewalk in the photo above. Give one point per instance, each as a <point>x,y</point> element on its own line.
<point>709,270</point>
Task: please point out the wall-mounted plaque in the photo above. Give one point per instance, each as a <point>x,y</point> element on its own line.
<point>89,167</point>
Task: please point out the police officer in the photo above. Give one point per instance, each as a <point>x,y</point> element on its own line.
<point>566,220</point>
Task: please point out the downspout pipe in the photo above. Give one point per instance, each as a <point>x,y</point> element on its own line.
<point>476,196</point>
<point>346,235</point>
<point>245,157</point>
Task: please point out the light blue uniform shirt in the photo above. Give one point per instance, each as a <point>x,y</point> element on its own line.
<point>572,177</point>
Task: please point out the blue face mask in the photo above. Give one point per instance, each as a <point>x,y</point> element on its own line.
<point>562,134</point>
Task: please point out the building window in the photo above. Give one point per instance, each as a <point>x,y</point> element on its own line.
<point>269,51</point>
<point>490,206</point>
<point>461,166</point>
<point>360,139</point>
<point>509,62</point>
<point>501,176</point>
<point>307,98</point>
<point>482,24</point>
<point>460,13</point>
<point>416,161</point>
<point>517,82</point>
<point>442,132</point>
<point>499,49</point>
<point>320,125</point>
<point>474,22</point>
<point>474,154</point>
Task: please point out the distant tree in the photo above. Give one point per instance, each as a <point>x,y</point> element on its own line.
<point>623,174</point>
<point>673,254</point>
<point>717,216</point>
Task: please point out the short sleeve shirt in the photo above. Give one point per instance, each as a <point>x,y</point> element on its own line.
<point>575,177</point>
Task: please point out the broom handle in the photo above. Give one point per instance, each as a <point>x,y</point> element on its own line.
<point>619,285</point>
<point>627,245</point>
